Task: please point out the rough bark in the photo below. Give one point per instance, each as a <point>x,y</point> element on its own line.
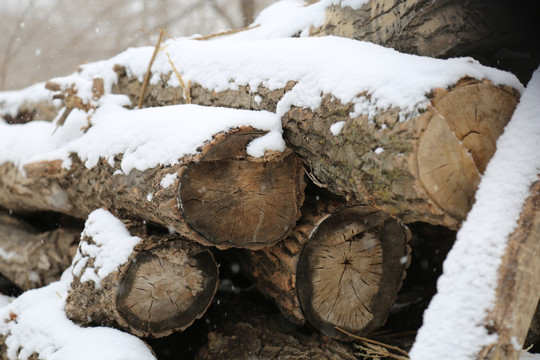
<point>166,284</point>
<point>339,268</point>
<point>424,169</point>
<point>30,258</point>
<point>431,164</point>
<point>441,28</point>
<point>221,196</point>
<point>258,340</point>
<point>518,289</point>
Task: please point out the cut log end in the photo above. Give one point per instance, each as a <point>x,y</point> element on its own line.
<point>459,140</point>
<point>351,269</point>
<point>165,289</point>
<point>234,200</point>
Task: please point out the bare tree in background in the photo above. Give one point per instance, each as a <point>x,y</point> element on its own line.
<point>46,38</point>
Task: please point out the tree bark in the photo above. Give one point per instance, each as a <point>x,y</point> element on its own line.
<point>255,204</point>
<point>166,284</point>
<point>30,258</point>
<point>424,169</point>
<point>340,268</point>
<point>442,28</point>
<point>518,289</point>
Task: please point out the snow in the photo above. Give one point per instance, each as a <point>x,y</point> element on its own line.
<point>336,127</point>
<point>111,247</point>
<point>389,78</point>
<point>35,322</point>
<point>41,326</point>
<point>8,255</point>
<point>11,101</point>
<point>146,137</point>
<point>271,141</point>
<point>5,300</point>
<point>168,180</point>
<point>454,325</point>
<point>290,18</point>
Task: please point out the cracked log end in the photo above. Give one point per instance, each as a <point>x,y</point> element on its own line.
<point>232,199</point>
<point>167,288</point>
<point>459,140</point>
<point>351,269</point>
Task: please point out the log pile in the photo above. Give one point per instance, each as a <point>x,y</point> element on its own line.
<point>329,263</point>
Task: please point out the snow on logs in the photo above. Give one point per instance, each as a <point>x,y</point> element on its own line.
<point>30,258</point>
<point>341,267</point>
<point>216,195</point>
<point>426,168</point>
<point>148,285</point>
<point>412,144</point>
<point>416,132</point>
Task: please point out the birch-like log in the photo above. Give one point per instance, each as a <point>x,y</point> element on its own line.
<point>220,196</point>
<point>166,283</point>
<point>30,258</point>
<point>339,268</point>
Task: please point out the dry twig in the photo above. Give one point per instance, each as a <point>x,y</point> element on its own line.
<point>376,349</point>
<point>186,90</point>
<point>147,75</point>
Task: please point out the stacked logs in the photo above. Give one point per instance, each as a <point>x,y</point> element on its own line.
<point>334,265</point>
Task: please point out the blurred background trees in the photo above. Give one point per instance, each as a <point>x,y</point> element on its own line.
<point>41,39</point>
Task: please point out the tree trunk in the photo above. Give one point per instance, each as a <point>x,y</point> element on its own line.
<point>32,259</point>
<point>220,196</point>
<point>442,28</point>
<point>518,289</point>
<point>166,284</point>
<point>340,268</point>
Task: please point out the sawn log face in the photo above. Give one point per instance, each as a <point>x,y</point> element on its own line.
<point>166,284</point>
<point>221,196</point>
<point>339,268</point>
